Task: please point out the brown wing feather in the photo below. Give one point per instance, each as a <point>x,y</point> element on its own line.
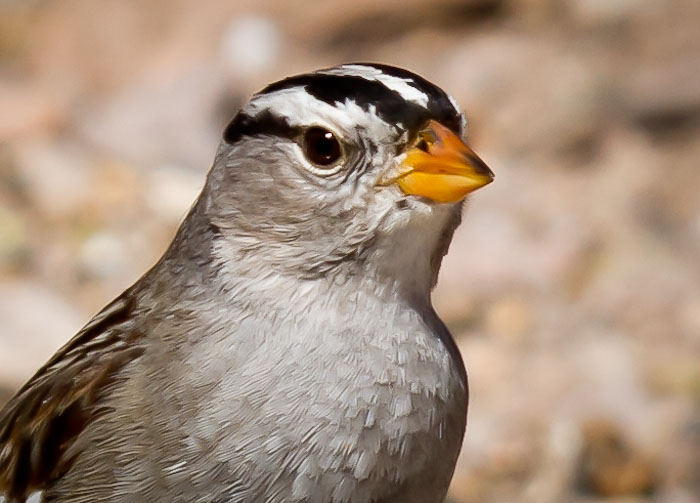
<point>40,424</point>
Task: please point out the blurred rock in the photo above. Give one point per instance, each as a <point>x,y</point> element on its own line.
<point>34,322</point>
<point>56,175</point>
<point>14,240</point>
<point>510,318</point>
<point>690,316</point>
<point>610,466</point>
<point>670,373</point>
<point>606,12</point>
<point>117,190</point>
<point>683,477</point>
<point>171,191</point>
<point>103,254</point>
<point>561,109</point>
<point>554,478</point>
<point>251,46</point>
<point>26,110</point>
<point>158,121</point>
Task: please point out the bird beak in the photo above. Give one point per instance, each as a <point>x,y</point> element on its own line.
<point>441,167</point>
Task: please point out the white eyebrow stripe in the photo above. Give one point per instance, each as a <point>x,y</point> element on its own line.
<point>396,84</point>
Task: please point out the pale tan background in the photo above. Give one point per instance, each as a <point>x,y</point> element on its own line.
<point>572,287</point>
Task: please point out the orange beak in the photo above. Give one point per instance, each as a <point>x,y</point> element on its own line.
<point>441,167</point>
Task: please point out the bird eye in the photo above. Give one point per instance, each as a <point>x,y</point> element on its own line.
<point>321,146</point>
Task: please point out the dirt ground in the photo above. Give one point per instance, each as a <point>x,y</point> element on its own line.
<point>572,287</point>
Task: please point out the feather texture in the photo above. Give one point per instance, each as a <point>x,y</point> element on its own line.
<point>39,425</point>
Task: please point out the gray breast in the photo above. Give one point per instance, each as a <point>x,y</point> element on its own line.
<point>367,406</point>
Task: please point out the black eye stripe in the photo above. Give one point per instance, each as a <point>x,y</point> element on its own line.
<point>264,123</point>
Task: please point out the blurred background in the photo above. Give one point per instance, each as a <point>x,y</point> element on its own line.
<point>572,287</point>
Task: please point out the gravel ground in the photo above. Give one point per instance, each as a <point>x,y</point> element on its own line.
<point>572,286</point>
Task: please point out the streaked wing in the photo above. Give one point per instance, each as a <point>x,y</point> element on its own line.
<point>39,425</point>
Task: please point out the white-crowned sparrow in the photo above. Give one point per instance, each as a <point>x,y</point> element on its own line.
<point>284,349</point>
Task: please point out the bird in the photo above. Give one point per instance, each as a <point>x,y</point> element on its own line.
<point>285,347</point>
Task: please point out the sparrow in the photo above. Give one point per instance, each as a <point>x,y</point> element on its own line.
<point>284,348</point>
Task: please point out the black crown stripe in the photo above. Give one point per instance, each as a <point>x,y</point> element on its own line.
<point>390,105</point>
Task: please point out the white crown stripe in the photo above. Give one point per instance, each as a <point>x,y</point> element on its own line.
<point>300,108</point>
<point>397,84</point>
<point>462,117</point>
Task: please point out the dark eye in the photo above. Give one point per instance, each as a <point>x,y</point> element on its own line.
<point>321,146</point>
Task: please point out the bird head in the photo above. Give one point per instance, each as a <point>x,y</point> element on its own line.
<point>356,165</point>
